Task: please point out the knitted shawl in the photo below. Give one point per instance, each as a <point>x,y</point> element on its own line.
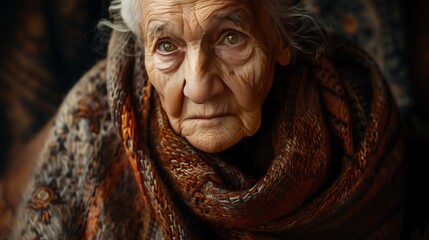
<point>325,164</point>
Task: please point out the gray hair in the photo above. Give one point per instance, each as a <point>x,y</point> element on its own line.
<point>296,22</point>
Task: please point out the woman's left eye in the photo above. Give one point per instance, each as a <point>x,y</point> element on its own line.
<point>233,38</point>
<point>166,47</point>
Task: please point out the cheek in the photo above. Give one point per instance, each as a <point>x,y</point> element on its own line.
<point>157,79</point>
<point>168,85</point>
<point>251,82</point>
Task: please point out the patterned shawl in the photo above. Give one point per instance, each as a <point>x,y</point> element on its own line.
<point>325,164</point>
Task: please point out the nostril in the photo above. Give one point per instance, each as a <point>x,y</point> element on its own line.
<point>203,90</point>
<point>194,91</point>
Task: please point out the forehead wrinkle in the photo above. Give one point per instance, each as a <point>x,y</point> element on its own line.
<point>154,12</point>
<point>204,11</point>
<point>240,16</point>
<point>237,17</point>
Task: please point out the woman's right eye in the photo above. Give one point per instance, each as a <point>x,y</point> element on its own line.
<point>166,47</point>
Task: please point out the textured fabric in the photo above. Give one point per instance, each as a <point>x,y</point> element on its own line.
<point>328,164</point>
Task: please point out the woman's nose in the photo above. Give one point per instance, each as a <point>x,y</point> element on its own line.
<point>201,82</point>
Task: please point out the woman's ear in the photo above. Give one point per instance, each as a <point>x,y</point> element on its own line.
<point>284,56</point>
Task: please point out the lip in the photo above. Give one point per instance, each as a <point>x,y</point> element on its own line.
<point>208,117</point>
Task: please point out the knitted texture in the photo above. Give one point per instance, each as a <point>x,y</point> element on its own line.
<point>114,169</point>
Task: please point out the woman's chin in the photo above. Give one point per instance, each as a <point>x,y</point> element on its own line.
<point>213,143</point>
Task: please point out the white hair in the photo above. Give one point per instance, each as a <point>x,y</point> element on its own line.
<point>130,14</point>
<point>124,16</point>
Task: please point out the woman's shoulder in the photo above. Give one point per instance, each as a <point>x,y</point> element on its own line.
<point>81,126</point>
<point>92,85</point>
<point>81,159</point>
<point>83,120</point>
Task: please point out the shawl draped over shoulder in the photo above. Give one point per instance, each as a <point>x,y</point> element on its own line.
<point>328,160</point>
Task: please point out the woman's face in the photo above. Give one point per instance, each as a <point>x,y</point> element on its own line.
<point>212,63</point>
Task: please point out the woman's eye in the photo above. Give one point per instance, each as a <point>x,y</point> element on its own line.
<point>166,47</point>
<point>233,38</point>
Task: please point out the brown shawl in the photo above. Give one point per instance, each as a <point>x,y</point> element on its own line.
<point>335,167</point>
<point>326,163</point>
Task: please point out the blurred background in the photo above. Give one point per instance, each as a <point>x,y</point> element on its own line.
<point>47,45</point>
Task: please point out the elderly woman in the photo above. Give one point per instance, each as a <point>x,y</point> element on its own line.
<point>221,119</point>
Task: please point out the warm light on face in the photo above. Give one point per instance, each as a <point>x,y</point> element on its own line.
<point>212,63</point>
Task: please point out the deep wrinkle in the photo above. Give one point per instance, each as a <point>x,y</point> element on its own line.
<point>206,104</point>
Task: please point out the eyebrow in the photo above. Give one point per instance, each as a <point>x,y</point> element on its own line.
<point>156,28</point>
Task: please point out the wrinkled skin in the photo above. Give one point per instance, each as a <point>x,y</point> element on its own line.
<point>212,63</point>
